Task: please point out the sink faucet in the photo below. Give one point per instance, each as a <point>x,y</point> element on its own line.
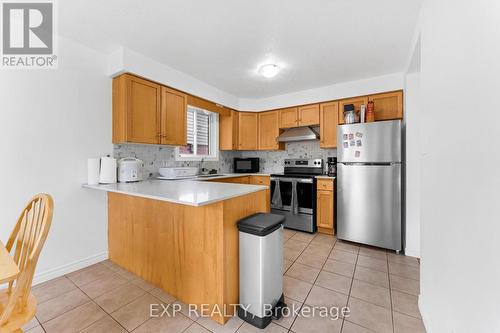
<point>200,167</point>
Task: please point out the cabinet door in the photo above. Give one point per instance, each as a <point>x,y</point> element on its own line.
<point>308,115</point>
<point>268,130</point>
<point>143,110</point>
<point>228,131</point>
<point>324,201</point>
<point>288,118</point>
<point>328,121</point>
<point>260,180</point>
<point>173,117</point>
<point>248,131</point>
<point>388,105</point>
<point>357,101</point>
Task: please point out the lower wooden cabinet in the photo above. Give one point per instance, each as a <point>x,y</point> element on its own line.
<point>325,204</point>
<point>260,180</point>
<point>248,130</point>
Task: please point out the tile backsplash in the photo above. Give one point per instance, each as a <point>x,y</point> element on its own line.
<point>155,156</point>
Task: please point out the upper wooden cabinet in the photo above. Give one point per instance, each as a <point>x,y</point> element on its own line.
<point>288,117</point>
<point>269,130</point>
<point>357,101</point>
<point>248,130</point>
<point>228,131</point>
<point>146,112</point>
<point>308,115</point>
<point>173,117</point>
<point>388,105</point>
<point>328,119</point>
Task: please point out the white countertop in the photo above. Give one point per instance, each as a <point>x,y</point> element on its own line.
<point>325,177</point>
<point>192,192</point>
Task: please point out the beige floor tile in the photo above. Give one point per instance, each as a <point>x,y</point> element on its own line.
<point>320,296</point>
<point>406,271</point>
<point>320,248</point>
<point>231,326</point>
<point>162,295</point>
<point>105,325</point>
<point>52,288</point>
<point>344,246</point>
<point>372,263</point>
<point>168,324</point>
<point>377,278</point>
<point>31,324</point>
<point>286,264</point>
<point>405,285</point>
<point>196,328</point>
<point>324,239</point>
<point>303,272</point>
<point>334,282</point>
<point>303,237</point>
<point>184,309</point>
<point>115,299</point>
<point>287,234</point>
<point>407,324</point>
<point>405,303</point>
<point>144,285</point>
<point>295,244</point>
<point>365,314</point>
<point>58,305</point>
<point>295,289</point>
<point>291,254</point>
<point>76,319</point>
<point>317,323</point>
<point>312,260</point>
<point>373,252</point>
<point>344,256</point>
<point>89,274</point>
<point>353,328</point>
<point>102,285</point>
<point>289,315</point>
<point>339,267</point>
<point>402,259</point>
<point>271,328</point>
<point>371,293</point>
<point>36,329</point>
<point>137,312</point>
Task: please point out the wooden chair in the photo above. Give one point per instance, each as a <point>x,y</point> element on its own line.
<point>17,304</point>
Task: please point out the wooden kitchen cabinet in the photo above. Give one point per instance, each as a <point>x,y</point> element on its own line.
<point>136,110</point>
<point>269,131</point>
<point>173,117</point>
<point>388,106</point>
<point>328,121</point>
<point>288,117</point>
<point>248,130</point>
<point>260,180</point>
<point>228,131</point>
<point>325,204</point>
<point>308,115</point>
<point>146,112</point>
<point>357,101</point>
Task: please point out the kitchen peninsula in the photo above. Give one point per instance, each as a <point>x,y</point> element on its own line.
<point>181,235</point>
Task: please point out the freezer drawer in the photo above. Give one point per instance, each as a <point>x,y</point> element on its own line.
<point>369,204</point>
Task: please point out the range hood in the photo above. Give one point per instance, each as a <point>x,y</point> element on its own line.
<point>298,134</point>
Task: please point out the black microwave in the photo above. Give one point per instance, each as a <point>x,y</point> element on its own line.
<point>246,165</point>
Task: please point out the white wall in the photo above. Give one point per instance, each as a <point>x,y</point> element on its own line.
<point>460,82</point>
<point>412,102</point>
<point>52,121</point>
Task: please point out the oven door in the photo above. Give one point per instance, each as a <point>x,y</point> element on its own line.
<point>295,199</point>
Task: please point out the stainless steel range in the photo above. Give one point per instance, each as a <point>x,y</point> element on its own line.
<point>293,193</point>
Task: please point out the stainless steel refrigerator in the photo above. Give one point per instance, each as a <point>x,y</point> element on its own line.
<point>369,183</point>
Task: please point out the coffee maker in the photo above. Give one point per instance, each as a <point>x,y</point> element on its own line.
<point>331,164</point>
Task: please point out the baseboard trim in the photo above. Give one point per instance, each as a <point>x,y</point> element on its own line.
<point>423,314</point>
<point>68,268</point>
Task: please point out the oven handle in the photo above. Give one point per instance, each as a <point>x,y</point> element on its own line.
<point>299,180</point>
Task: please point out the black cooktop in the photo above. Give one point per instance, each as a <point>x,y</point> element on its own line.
<point>294,175</point>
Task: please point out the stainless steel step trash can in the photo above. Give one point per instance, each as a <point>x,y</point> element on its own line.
<point>261,268</point>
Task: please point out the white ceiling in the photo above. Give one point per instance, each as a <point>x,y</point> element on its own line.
<point>223,42</point>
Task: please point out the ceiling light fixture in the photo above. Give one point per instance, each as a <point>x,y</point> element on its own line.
<point>269,70</point>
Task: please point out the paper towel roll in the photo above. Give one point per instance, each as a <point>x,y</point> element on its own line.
<point>108,170</point>
<point>93,168</point>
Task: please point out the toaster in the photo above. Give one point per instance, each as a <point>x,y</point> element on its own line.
<point>129,169</point>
